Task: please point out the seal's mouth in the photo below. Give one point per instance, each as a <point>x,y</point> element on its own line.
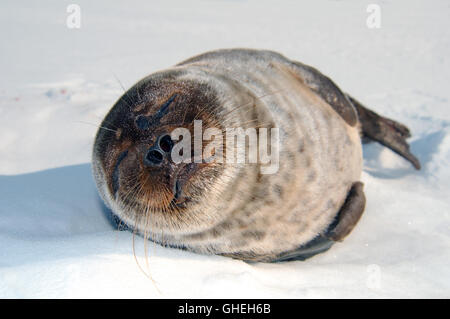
<point>162,187</point>
<point>179,199</point>
<point>181,196</point>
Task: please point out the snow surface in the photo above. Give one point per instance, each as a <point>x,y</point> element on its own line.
<point>57,83</point>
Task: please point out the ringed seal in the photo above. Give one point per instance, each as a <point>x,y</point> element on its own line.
<point>311,201</point>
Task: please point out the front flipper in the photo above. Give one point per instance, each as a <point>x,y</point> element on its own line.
<point>345,221</point>
<point>385,131</point>
<point>349,214</point>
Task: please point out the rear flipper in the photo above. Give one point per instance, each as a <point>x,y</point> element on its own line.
<point>385,131</point>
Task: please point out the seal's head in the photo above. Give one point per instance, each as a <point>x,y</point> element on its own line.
<point>133,167</point>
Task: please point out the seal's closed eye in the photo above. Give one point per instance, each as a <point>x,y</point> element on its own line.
<point>115,176</point>
<point>144,122</point>
<point>165,108</point>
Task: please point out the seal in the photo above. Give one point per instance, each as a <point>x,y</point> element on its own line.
<point>312,199</point>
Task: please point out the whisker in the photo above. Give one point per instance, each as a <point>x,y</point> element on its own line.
<point>124,90</point>
<point>98,126</point>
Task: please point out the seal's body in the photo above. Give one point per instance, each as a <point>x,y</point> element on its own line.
<point>313,199</point>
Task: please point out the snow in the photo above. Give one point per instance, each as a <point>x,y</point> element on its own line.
<point>55,236</point>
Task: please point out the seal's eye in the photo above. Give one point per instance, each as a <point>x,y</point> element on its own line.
<point>142,122</point>
<point>166,143</point>
<point>115,175</point>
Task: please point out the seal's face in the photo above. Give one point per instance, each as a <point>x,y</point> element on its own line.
<point>133,164</point>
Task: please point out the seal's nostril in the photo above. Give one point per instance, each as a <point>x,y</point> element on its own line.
<point>166,143</point>
<point>154,157</point>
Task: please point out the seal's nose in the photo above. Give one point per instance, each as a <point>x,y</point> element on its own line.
<point>159,151</point>
<point>153,157</point>
<point>165,143</point>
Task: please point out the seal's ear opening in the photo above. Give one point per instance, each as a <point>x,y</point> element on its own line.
<point>349,214</point>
